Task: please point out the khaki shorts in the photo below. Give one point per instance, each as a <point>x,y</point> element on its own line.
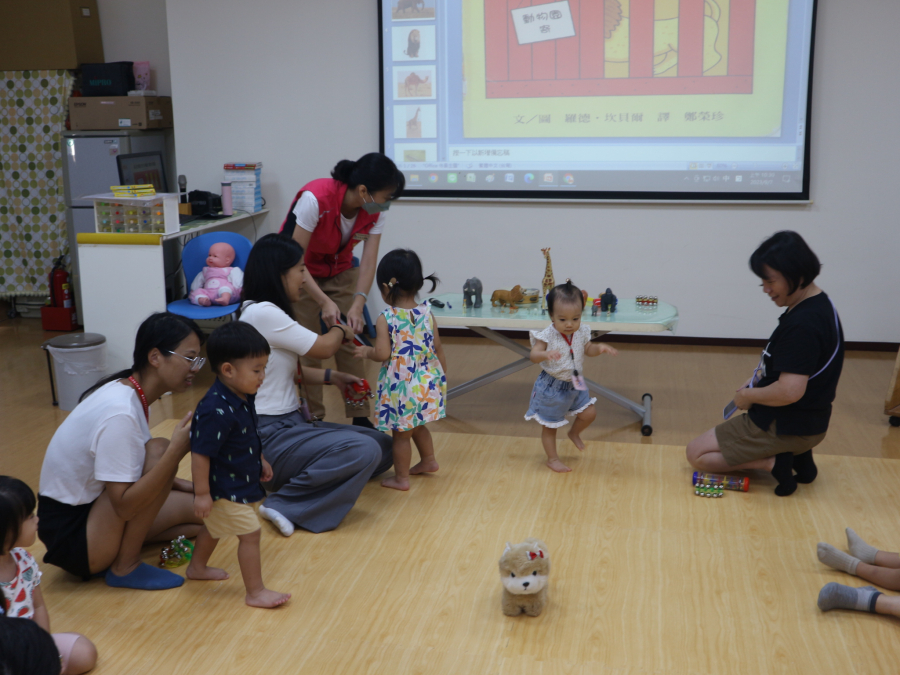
<point>227,518</point>
<point>740,441</point>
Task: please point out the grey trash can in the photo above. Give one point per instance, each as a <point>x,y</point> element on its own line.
<point>80,361</point>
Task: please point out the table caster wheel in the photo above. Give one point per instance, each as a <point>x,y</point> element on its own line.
<point>894,420</point>
<point>11,313</point>
<point>646,430</point>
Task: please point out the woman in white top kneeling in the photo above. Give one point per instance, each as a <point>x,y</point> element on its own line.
<point>106,486</point>
<point>319,468</point>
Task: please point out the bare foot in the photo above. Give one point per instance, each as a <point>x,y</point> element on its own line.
<point>267,599</point>
<point>396,483</point>
<point>203,301</point>
<point>576,439</point>
<point>429,466</point>
<point>205,573</point>
<point>557,466</point>
<point>223,299</point>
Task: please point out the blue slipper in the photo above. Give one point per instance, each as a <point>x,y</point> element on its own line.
<point>145,578</point>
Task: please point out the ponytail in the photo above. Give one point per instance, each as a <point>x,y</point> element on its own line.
<point>376,171</point>
<point>567,293</point>
<point>163,331</point>
<point>401,271</point>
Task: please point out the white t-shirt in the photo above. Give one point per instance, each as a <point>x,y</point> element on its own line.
<point>307,212</point>
<point>288,340</point>
<point>562,368</point>
<point>101,441</point>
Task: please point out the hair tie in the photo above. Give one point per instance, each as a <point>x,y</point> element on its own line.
<point>392,282</point>
<point>568,282</point>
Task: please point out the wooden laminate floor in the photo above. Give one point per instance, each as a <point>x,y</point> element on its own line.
<point>647,578</point>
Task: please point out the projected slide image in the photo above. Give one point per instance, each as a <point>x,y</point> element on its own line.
<point>413,43</point>
<point>416,152</point>
<point>418,83</point>
<point>409,10</point>
<point>617,68</point>
<point>414,121</point>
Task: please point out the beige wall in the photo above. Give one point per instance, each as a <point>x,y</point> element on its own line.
<point>135,30</point>
<point>295,84</point>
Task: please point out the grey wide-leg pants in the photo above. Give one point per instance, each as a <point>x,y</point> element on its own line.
<point>319,470</point>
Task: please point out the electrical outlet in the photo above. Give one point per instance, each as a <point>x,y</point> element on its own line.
<point>85,11</point>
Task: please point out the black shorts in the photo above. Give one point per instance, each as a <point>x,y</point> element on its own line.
<point>63,529</point>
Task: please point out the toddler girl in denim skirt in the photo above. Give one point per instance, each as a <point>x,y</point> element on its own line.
<point>560,389</point>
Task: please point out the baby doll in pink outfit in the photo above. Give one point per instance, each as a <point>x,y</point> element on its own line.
<point>217,283</point>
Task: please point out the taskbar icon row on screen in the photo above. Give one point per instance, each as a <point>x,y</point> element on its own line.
<point>549,179</point>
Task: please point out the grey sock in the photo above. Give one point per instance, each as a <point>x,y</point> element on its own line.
<point>860,549</point>
<point>838,596</point>
<point>839,560</point>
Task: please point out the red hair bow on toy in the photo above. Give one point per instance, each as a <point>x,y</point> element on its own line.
<point>532,555</point>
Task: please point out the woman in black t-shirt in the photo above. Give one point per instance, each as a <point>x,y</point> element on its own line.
<point>788,398</point>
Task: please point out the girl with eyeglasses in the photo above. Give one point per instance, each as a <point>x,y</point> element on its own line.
<point>106,486</point>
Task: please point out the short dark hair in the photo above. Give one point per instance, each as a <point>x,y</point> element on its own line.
<point>17,502</point>
<point>787,253</point>
<point>401,271</point>
<point>232,341</point>
<point>270,259</point>
<point>25,647</point>
<point>374,170</point>
<point>567,294</point>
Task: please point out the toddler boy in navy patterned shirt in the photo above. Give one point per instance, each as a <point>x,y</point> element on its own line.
<point>226,459</point>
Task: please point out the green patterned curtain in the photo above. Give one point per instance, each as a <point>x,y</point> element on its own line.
<point>33,106</point>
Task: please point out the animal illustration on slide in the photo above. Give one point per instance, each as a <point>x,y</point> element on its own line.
<point>406,6</point>
<point>414,126</point>
<point>665,37</point>
<point>413,42</point>
<point>412,83</point>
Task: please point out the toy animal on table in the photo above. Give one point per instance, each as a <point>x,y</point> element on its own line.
<point>608,302</point>
<point>508,298</point>
<point>472,289</point>
<point>547,283</point>
<point>218,283</point>
<point>524,570</point>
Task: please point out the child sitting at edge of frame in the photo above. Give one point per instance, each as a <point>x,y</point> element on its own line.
<point>227,462</point>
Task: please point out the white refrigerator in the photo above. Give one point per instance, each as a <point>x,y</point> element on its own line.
<point>90,168</point>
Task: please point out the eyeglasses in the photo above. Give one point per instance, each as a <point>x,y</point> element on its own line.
<point>196,362</point>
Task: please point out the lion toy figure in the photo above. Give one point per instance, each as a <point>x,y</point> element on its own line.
<point>524,569</point>
<point>509,298</point>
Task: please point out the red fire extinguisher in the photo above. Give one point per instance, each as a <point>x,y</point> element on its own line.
<point>60,293</point>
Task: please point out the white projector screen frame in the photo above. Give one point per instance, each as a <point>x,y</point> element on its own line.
<point>468,117</point>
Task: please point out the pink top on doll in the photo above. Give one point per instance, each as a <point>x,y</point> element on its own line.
<point>218,283</point>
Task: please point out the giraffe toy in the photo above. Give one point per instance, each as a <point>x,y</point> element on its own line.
<point>547,283</point>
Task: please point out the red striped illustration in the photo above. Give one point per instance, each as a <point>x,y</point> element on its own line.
<point>576,66</point>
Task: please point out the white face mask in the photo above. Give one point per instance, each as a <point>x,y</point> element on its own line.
<point>374,207</point>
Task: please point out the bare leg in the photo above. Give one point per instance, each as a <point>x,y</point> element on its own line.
<point>888,604</point>
<point>548,439</point>
<point>82,658</point>
<point>703,454</point>
<point>582,421</point>
<point>885,577</point>
<point>886,559</point>
<point>223,299</point>
<point>402,455</point>
<point>197,569</point>
<point>176,517</point>
<point>425,446</point>
<point>251,571</point>
<point>115,543</point>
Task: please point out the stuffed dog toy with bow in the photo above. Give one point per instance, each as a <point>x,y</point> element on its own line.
<point>524,569</point>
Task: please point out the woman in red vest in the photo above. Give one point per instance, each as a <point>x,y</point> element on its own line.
<point>328,217</point>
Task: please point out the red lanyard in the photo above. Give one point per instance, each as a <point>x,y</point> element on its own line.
<point>140,393</point>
